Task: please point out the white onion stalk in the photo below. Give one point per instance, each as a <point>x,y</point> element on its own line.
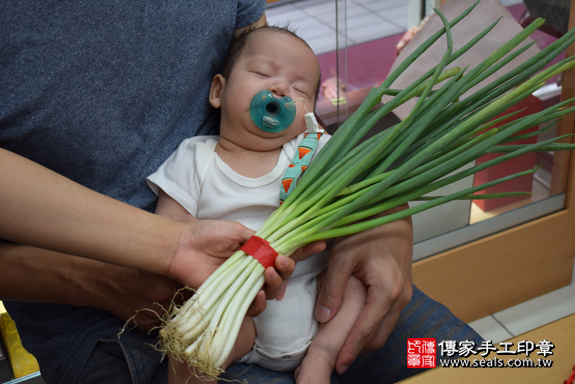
<point>199,330</point>
<point>348,183</point>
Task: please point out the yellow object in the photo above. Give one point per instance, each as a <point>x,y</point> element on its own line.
<point>340,101</point>
<point>22,362</point>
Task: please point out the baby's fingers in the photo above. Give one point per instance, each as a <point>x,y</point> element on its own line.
<point>258,305</point>
<point>285,267</point>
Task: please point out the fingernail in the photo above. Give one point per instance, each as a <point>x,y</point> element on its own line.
<point>342,369</point>
<point>274,274</point>
<point>284,261</point>
<point>322,314</point>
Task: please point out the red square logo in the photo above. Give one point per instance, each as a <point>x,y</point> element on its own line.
<point>421,353</point>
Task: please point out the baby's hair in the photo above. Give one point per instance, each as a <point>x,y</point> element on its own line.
<point>238,44</point>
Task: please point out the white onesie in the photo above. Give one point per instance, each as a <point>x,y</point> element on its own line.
<point>196,177</point>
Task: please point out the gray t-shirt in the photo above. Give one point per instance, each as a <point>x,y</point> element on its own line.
<point>103,92</point>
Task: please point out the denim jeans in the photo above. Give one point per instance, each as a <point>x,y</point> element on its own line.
<point>132,360</point>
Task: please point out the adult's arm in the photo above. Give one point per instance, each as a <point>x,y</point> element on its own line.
<point>46,210</point>
<point>381,257</point>
<point>38,275</point>
<point>38,204</point>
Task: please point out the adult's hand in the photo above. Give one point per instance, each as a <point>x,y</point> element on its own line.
<point>38,275</point>
<point>218,240</point>
<point>204,246</point>
<point>71,219</point>
<point>381,258</point>
<point>132,295</point>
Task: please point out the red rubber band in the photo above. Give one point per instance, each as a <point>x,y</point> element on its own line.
<point>260,250</point>
<point>571,377</point>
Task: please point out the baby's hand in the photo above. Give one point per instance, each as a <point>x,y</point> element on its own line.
<point>317,365</point>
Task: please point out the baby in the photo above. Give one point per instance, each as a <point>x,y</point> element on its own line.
<point>237,176</point>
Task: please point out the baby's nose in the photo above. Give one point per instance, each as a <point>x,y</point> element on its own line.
<point>279,89</point>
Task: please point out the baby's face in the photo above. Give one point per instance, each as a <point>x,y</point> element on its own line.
<point>278,62</point>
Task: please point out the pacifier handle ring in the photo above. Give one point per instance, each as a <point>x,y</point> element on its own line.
<point>303,100</point>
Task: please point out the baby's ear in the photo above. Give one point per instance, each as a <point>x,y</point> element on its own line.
<point>217,85</point>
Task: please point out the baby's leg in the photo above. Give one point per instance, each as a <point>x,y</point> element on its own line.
<point>321,356</point>
<point>180,373</point>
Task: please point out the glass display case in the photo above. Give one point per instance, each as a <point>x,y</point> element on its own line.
<point>499,252</point>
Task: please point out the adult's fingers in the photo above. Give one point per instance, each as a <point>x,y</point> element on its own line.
<point>332,288</point>
<point>379,337</point>
<point>203,247</point>
<point>377,320</point>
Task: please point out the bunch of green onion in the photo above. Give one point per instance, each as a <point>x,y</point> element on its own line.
<point>348,184</point>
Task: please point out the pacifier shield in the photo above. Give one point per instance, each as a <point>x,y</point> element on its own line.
<point>270,114</point>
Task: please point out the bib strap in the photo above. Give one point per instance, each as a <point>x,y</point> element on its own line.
<point>299,163</point>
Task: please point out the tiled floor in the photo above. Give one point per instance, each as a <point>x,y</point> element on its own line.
<point>315,20</point>
<point>527,315</point>
<point>369,20</point>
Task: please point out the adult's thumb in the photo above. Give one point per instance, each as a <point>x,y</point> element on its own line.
<point>331,288</point>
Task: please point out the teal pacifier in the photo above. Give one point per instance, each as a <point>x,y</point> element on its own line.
<point>270,114</point>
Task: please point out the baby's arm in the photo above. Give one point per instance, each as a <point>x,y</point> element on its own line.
<point>169,207</point>
<point>178,372</point>
<point>319,362</point>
